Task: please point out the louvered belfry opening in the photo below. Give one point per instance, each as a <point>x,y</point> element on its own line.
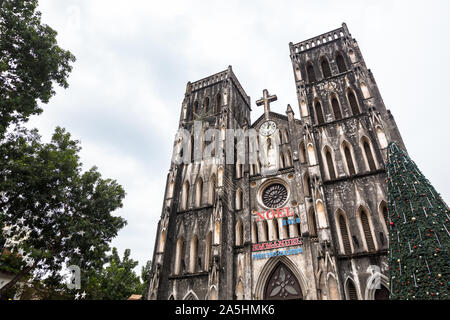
<point>366,229</point>
<point>341,63</point>
<point>344,234</point>
<point>351,289</point>
<point>311,73</point>
<point>330,165</point>
<point>349,159</point>
<point>325,68</point>
<point>353,103</point>
<point>369,156</point>
<point>336,109</point>
<point>319,113</point>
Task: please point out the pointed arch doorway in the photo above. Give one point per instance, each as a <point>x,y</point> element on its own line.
<point>282,284</point>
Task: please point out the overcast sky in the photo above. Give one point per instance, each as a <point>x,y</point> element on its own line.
<point>134,59</point>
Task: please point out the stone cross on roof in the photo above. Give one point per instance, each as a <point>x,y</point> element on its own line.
<point>266,100</point>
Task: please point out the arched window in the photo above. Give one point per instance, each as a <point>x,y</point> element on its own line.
<point>307,184</point>
<point>349,159</point>
<point>275,232</point>
<point>286,136</point>
<point>302,150</point>
<point>199,192</point>
<point>193,256</point>
<point>311,155</point>
<point>206,104</point>
<point>312,222</point>
<point>179,255</point>
<point>341,63</point>
<point>351,290</point>
<point>319,113</point>
<point>195,108</point>
<point>325,68</point>
<point>239,233</point>
<point>330,164</point>
<point>336,108</point>
<point>264,231</point>
<point>366,229</point>
<point>254,232</point>
<point>280,137</point>
<point>353,103</point>
<point>259,167</point>
<point>342,227</point>
<point>368,154</point>
<point>384,213</point>
<point>212,190</point>
<point>282,164</point>
<point>288,158</point>
<point>311,73</point>
<point>208,244</point>
<point>185,196</point>
<point>218,101</point>
<point>239,199</point>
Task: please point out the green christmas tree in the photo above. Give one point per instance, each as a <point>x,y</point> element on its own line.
<point>418,231</point>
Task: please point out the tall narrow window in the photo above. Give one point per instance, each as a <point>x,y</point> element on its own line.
<point>264,231</point>
<point>353,103</point>
<point>185,196</point>
<point>195,108</point>
<point>212,190</point>
<point>239,233</point>
<point>311,73</point>
<point>193,254</point>
<point>369,155</point>
<point>218,102</point>
<point>308,187</point>
<point>275,232</point>
<point>206,105</point>
<point>288,159</point>
<point>349,160</point>
<point>239,199</point>
<point>302,150</point>
<point>312,222</point>
<point>319,113</point>
<point>384,212</point>
<point>330,164</point>
<point>325,68</point>
<point>341,63</point>
<point>254,232</point>
<point>282,164</point>
<point>344,234</point>
<point>199,192</point>
<point>208,244</point>
<point>178,255</point>
<point>351,291</point>
<point>286,136</point>
<point>367,230</point>
<point>336,109</point>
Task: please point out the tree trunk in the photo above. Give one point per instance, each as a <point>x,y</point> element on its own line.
<point>16,279</point>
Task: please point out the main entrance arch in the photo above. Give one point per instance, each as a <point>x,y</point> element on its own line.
<point>280,279</point>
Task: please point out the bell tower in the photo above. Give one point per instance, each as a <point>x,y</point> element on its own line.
<point>349,130</point>
<point>192,257</point>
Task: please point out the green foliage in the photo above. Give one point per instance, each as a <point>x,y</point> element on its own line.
<point>116,281</point>
<point>419,237</point>
<point>52,211</point>
<point>30,62</point>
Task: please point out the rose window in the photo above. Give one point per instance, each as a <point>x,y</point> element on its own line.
<point>275,195</point>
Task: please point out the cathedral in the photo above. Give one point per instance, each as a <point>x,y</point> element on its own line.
<point>300,211</point>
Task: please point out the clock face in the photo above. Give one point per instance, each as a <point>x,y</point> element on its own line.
<point>268,128</point>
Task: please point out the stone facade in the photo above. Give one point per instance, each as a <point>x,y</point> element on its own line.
<point>330,175</point>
